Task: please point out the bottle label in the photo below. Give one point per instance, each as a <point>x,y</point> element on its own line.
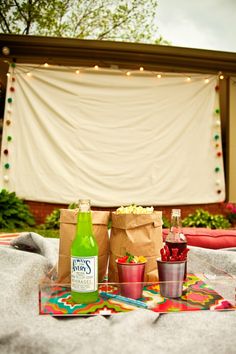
<point>84,272</point>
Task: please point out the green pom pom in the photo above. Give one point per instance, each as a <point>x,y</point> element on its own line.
<point>217,137</point>
<point>13,65</point>
<point>217,111</point>
<point>217,169</point>
<point>7,166</point>
<point>9,100</point>
<point>9,138</point>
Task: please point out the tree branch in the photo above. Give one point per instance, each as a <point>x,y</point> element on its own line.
<point>66,4</point>
<point>35,2</point>
<point>102,35</point>
<point>19,9</point>
<point>28,21</point>
<point>86,14</point>
<point>5,22</point>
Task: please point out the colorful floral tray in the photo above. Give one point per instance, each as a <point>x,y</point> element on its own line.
<point>56,300</point>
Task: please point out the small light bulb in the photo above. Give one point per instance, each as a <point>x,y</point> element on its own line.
<point>188,79</point>
<point>5,51</point>
<point>28,74</point>
<point>8,74</point>
<point>158,76</point>
<point>77,72</point>
<point>206,81</point>
<point>221,77</point>
<point>46,65</point>
<point>6,179</point>
<point>128,73</point>
<point>96,67</point>
<point>141,68</point>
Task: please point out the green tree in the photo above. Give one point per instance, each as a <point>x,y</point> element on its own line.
<point>117,20</point>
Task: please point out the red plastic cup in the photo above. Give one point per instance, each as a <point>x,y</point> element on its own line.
<point>131,278</point>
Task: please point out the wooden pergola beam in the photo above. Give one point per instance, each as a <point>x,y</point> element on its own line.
<point>68,51</point>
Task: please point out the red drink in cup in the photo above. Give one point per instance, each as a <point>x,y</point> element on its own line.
<point>131,275</point>
<point>181,246</point>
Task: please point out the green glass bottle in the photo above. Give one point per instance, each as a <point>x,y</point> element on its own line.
<point>84,258</point>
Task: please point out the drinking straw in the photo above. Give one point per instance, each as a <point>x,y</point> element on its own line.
<point>127,300</point>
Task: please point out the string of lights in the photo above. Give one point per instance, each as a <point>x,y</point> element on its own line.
<point>31,70</point>
<point>126,72</point>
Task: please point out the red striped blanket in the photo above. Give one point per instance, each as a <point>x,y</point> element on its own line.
<point>5,239</point>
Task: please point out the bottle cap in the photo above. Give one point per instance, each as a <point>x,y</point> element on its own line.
<point>176,212</point>
<point>84,205</point>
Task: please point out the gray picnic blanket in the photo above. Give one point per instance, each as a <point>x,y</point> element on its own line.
<point>24,331</point>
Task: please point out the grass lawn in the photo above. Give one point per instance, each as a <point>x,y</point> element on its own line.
<point>39,230</point>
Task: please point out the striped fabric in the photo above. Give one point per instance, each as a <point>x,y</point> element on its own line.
<point>5,239</point>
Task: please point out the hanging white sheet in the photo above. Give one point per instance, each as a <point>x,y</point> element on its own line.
<point>110,137</point>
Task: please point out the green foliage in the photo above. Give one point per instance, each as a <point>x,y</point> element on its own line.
<point>166,222</point>
<point>202,218</point>
<point>52,220</point>
<point>109,225</point>
<point>13,212</point>
<point>46,233</point>
<point>120,20</point>
<point>73,205</point>
<point>232,218</point>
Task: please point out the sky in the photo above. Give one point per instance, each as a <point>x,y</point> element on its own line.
<point>205,24</point>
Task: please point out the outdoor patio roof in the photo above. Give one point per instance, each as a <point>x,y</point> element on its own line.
<point>68,51</point>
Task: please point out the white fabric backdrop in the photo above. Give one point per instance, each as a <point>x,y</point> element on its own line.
<point>113,138</point>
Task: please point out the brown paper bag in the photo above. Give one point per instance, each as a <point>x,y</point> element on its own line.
<point>139,235</point>
<point>68,221</point>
